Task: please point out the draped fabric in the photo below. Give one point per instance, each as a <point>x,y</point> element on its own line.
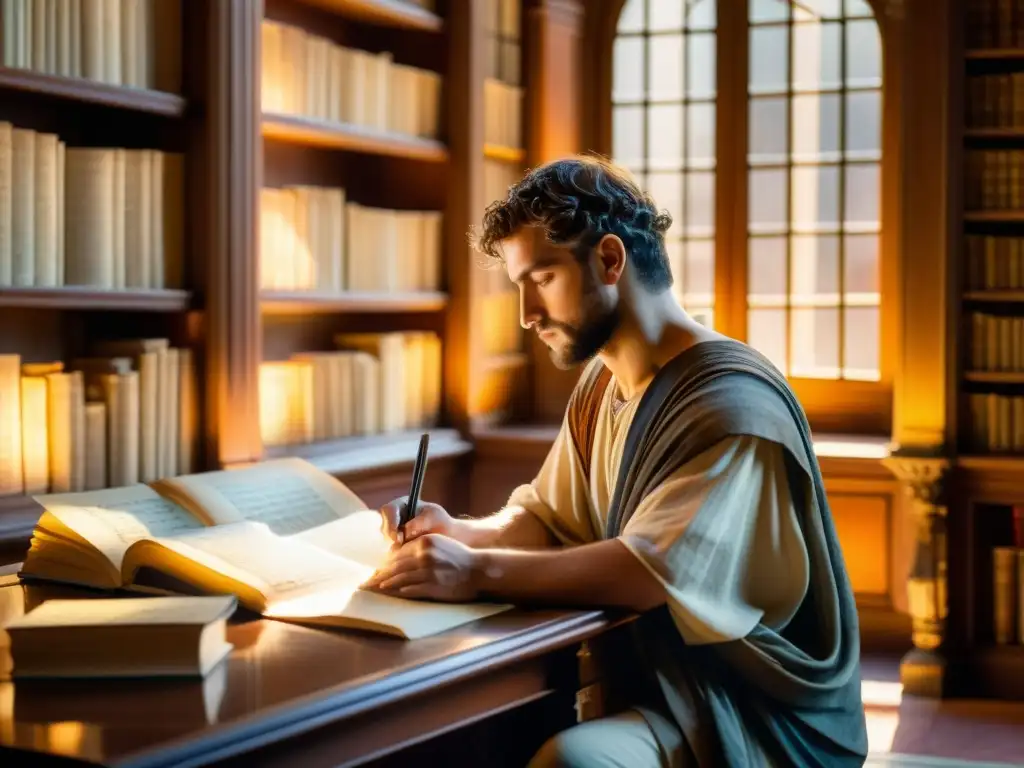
<point>784,693</point>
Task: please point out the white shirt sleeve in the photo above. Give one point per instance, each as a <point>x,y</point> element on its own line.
<point>722,535</point>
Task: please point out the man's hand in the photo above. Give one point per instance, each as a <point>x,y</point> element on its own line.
<point>432,567</point>
<point>430,518</point>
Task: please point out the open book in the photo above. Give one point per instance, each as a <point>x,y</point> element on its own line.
<point>290,541</point>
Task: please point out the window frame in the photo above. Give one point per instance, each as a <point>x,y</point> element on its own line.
<point>832,405</point>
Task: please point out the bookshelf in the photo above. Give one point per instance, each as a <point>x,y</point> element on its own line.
<point>314,238</point>
<point>987,496</point>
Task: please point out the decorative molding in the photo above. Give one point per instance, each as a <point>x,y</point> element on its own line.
<point>923,473</point>
<point>234,156</point>
<point>922,477</point>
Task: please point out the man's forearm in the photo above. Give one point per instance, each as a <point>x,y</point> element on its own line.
<point>510,527</point>
<point>603,574</point>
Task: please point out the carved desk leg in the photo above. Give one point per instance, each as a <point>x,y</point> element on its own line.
<point>923,669</point>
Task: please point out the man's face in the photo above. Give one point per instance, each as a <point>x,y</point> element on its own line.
<point>560,298</point>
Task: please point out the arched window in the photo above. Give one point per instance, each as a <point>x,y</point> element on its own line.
<point>777,210</point>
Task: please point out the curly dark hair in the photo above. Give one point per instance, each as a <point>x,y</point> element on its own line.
<point>576,201</point>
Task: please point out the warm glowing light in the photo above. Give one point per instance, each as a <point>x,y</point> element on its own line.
<point>851,448</point>
<point>35,440</point>
<point>286,402</point>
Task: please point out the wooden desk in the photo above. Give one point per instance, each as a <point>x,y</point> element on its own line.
<point>292,696</point>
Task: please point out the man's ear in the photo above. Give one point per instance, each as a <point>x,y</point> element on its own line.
<point>610,255</point>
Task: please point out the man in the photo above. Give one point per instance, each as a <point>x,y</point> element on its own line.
<point>682,486</point>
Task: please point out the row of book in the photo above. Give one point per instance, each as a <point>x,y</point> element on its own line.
<point>502,332</point>
<point>994,24</point>
<point>313,238</point>
<point>997,342</point>
<point>135,43</point>
<point>993,179</point>
<point>503,114</point>
<point>307,75</point>
<point>126,415</point>
<point>373,383</point>
<point>109,218</point>
<point>996,422</point>
<point>996,101</point>
<point>1008,594</point>
<point>994,262</point>
<point>502,22</point>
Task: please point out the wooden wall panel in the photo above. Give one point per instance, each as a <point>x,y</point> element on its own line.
<point>862,522</point>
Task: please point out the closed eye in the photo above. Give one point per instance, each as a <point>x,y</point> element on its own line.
<point>544,279</point>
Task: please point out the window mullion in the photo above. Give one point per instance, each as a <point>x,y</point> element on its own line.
<point>731,165</point>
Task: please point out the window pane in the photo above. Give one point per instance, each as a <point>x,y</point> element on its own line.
<point>862,192</point>
<point>766,332</point>
<point>864,123</point>
<point>815,203</point>
<point>667,191</point>
<point>703,14</point>
<point>701,66</point>
<point>767,200</point>
<point>700,203</point>
<point>665,16</point>
<point>700,135</point>
<point>814,341</point>
<point>664,129</point>
<point>861,336</point>
<point>861,264</point>
<point>816,127</point>
<point>665,136</point>
<point>816,50</point>
<point>631,19</point>
<point>766,270</point>
<point>628,81</point>
<point>769,55</point>
<point>817,9</point>
<point>863,53</point>
<point>768,127</point>
<point>666,67</point>
<point>858,8</point>
<point>628,136</point>
<point>700,269</point>
<point>768,10</point>
<point>814,277</point>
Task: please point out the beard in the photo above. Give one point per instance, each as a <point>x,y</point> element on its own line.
<point>597,326</point>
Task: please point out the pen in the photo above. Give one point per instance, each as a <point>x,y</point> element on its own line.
<point>418,471</point>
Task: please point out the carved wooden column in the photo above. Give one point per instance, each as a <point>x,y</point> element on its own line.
<point>554,83</point>
<point>923,669</point>
<point>924,413</point>
<point>234,159</point>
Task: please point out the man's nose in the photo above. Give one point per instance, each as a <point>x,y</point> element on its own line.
<point>529,313</point>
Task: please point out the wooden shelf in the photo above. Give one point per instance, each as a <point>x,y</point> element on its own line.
<point>995,377</point>
<point>995,54</point>
<point>996,671</point>
<point>995,296</point>
<point>994,133</point>
<point>80,89</point>
<point>311,302</point>
<point>359,454</point>
<point>311,132</point>
<point>391,13</point>
<point>86,297</point>
<point>995,217</point>
<point>504,154</point>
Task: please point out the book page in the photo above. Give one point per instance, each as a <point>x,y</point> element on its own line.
<point>359,537</point>
<point>288,495</point>
<point>113,519</point>
<point>249,553</point>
